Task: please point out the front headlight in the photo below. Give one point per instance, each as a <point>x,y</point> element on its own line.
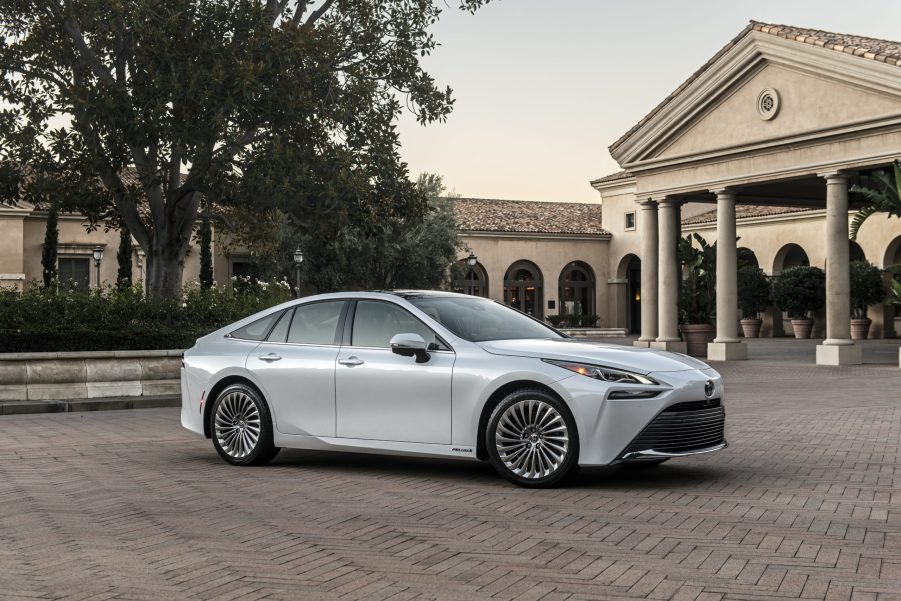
<point>606,374</point>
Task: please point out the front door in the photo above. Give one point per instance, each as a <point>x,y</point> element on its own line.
<point>384,396</point>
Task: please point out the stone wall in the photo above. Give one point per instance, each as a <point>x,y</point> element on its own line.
<point>87,375</point>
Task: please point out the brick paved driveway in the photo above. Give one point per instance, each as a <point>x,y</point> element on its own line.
<point>806,503</point>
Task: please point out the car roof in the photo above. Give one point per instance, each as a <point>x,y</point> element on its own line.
<point>404,294</point>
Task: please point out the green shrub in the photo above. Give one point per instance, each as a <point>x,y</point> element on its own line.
<point>866,287</point>
<point>753,291</point>
<point>124,319</point>
<point>800,290</point>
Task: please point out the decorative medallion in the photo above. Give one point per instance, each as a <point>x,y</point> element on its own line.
<point>768,103</point>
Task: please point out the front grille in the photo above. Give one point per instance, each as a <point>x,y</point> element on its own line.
<point>682,428</point>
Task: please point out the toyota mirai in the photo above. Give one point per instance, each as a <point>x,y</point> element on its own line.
<point>438,374</point>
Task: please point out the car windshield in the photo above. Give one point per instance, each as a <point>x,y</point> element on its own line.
<point>478,319</point>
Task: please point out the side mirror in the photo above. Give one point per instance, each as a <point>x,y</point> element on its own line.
<point>410,345</point>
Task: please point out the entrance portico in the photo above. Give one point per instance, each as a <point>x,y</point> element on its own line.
<point>780,117</point>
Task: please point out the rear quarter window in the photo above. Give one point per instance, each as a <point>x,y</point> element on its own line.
<point>257,330</point>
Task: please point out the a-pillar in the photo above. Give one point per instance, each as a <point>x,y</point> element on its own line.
<point>726,346</point>
<point>837,349</point>
<point>647,218</point>
<point>670,228</point>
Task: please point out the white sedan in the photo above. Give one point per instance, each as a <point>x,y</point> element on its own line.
<point>439,374</point>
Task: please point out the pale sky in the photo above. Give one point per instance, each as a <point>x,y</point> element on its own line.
<point>544,87</point>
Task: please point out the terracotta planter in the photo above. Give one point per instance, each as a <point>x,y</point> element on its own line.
<point>751,327</point>
<point>696,336</point>
<point>802,328</point>
<point>860,328</point>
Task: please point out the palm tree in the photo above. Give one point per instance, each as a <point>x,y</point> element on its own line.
<point>884,198</point>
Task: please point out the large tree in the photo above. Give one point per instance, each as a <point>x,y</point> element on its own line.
<point>357,252</point>
<point>139,109</point>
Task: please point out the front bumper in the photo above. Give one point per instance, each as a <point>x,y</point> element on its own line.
<point>609,427</point>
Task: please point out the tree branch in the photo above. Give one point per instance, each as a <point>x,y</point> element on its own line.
<point>316,14</point>
<point>88,56</point>
<point>299,11</point>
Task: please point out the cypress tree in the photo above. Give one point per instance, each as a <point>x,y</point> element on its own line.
<point>123,256</point>
<point>206,253</point>
<point>51,242</point>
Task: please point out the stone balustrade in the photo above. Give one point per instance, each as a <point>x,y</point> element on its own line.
<point>87,375</point>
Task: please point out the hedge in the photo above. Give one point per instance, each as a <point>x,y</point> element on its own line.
<point>42,320</point>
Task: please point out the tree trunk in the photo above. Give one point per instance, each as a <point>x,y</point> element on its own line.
<point>164,271</point>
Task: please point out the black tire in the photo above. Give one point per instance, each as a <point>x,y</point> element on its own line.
<point>549,436</point>
<point>248,408</point>
<point>644,463</point>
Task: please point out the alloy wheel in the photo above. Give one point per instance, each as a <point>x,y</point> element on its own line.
<point>532,439</point>
<point>237,424</point>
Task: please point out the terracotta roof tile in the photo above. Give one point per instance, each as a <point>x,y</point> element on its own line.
<point>520,216</point>
<point>884,51</point>
<point>743,211</point>
<point>613,177</point>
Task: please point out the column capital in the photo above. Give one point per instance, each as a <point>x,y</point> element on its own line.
<point>670,201</point>
<point>646,203</point>
<point>725,191</point>
<point>835,177</point>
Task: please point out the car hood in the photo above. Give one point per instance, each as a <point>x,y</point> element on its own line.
<point>638,360</point>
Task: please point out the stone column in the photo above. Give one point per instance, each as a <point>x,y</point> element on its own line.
<point>726,346</point>
<point>670,228</point>
<point>837,349</point>
<point>649,245</point>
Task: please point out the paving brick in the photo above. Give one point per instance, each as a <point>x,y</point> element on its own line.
<point>803,505</point>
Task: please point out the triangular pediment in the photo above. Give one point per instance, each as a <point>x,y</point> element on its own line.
<point>728,104</point>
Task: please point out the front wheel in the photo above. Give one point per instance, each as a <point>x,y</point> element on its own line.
<point>242,426</point>
<point>532,440</point>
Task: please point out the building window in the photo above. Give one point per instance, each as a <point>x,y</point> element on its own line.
<point>630,221</point>
<point>74,272</point>
<point>470,281</point>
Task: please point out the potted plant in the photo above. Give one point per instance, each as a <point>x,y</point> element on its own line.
<point>866,290</point>
<point>555,320</point>
<point>798,291</point>
<point>753,297</point>
<point>697,301</point>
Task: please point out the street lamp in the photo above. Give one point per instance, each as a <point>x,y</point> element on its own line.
<point>298,259</point>
<point>471,260</point>
<point>98,256</point>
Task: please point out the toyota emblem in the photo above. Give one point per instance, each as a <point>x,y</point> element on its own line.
<point>709,389</point>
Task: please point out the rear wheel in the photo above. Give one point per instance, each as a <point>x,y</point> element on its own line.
<point>242,427</point>
<point>531,439</point>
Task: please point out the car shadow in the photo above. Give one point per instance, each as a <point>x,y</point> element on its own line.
<point>672,474</point>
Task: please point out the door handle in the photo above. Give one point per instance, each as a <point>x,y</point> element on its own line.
<point>351,361</point>
<point>269,358</point>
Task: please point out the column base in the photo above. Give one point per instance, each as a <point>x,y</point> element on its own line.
<point>675,346</point>
<point>727,351</point>
<point>642,343</point>
<point>844,354</point>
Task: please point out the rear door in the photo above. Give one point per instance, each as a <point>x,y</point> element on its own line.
<point>296,367</point>
<point>384,396</point>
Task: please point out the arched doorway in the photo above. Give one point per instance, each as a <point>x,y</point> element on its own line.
<point>629,274</point>
<point>523,288</point>
<point>577,288</point>
<point>790,255</point>
<point>470,280</point>
<point>892,253</point>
